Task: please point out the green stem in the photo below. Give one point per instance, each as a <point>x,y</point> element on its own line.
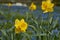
<point>29,37</point>
<point>33,27</point>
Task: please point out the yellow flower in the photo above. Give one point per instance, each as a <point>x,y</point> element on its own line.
<point>32,6</point>
<point>47,6</point>
<point>20,26</point>
<point>9,4</point>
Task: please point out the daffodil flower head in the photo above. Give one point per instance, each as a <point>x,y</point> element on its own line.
<point>20,26</point>
<point>32,6</point>
<point>47,6</point>
<point>9,4</point>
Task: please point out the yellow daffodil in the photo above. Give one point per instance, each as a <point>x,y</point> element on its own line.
<point>47,6</point>
<point>9,4</point>
<point>32,6</point>
<point>20,26</point>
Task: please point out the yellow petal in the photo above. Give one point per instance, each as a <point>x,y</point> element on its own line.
<point>45,11</point>
<point>47,6</point>
<point>22,20</point>
<point>17,23</point>
<point>52,5</point>
<point>20,25</point>
<point>23,25</point>
<point>32,6</point>
<point>44,5</point>
<point>17,30</point>
<point>50,10</point>
<point>9,4</point>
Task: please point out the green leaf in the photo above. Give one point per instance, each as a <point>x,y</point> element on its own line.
<point>55,22</point>
<point>27,16</point>
<point>11,29</point>
<point>50,21</point>
<point>12,38</point>
<point>28,36</point>
<point>4,32</point>
<point>33,27</point>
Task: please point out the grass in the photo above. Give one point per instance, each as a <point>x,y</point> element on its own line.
<point>38,28</point>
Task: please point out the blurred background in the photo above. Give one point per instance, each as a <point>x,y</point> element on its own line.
<point>56,2</point>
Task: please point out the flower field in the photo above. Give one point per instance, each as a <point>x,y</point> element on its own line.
<point>30,23</point>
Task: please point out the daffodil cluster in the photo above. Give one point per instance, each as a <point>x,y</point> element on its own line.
<point>21,25</point>
<point>47,6</point>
